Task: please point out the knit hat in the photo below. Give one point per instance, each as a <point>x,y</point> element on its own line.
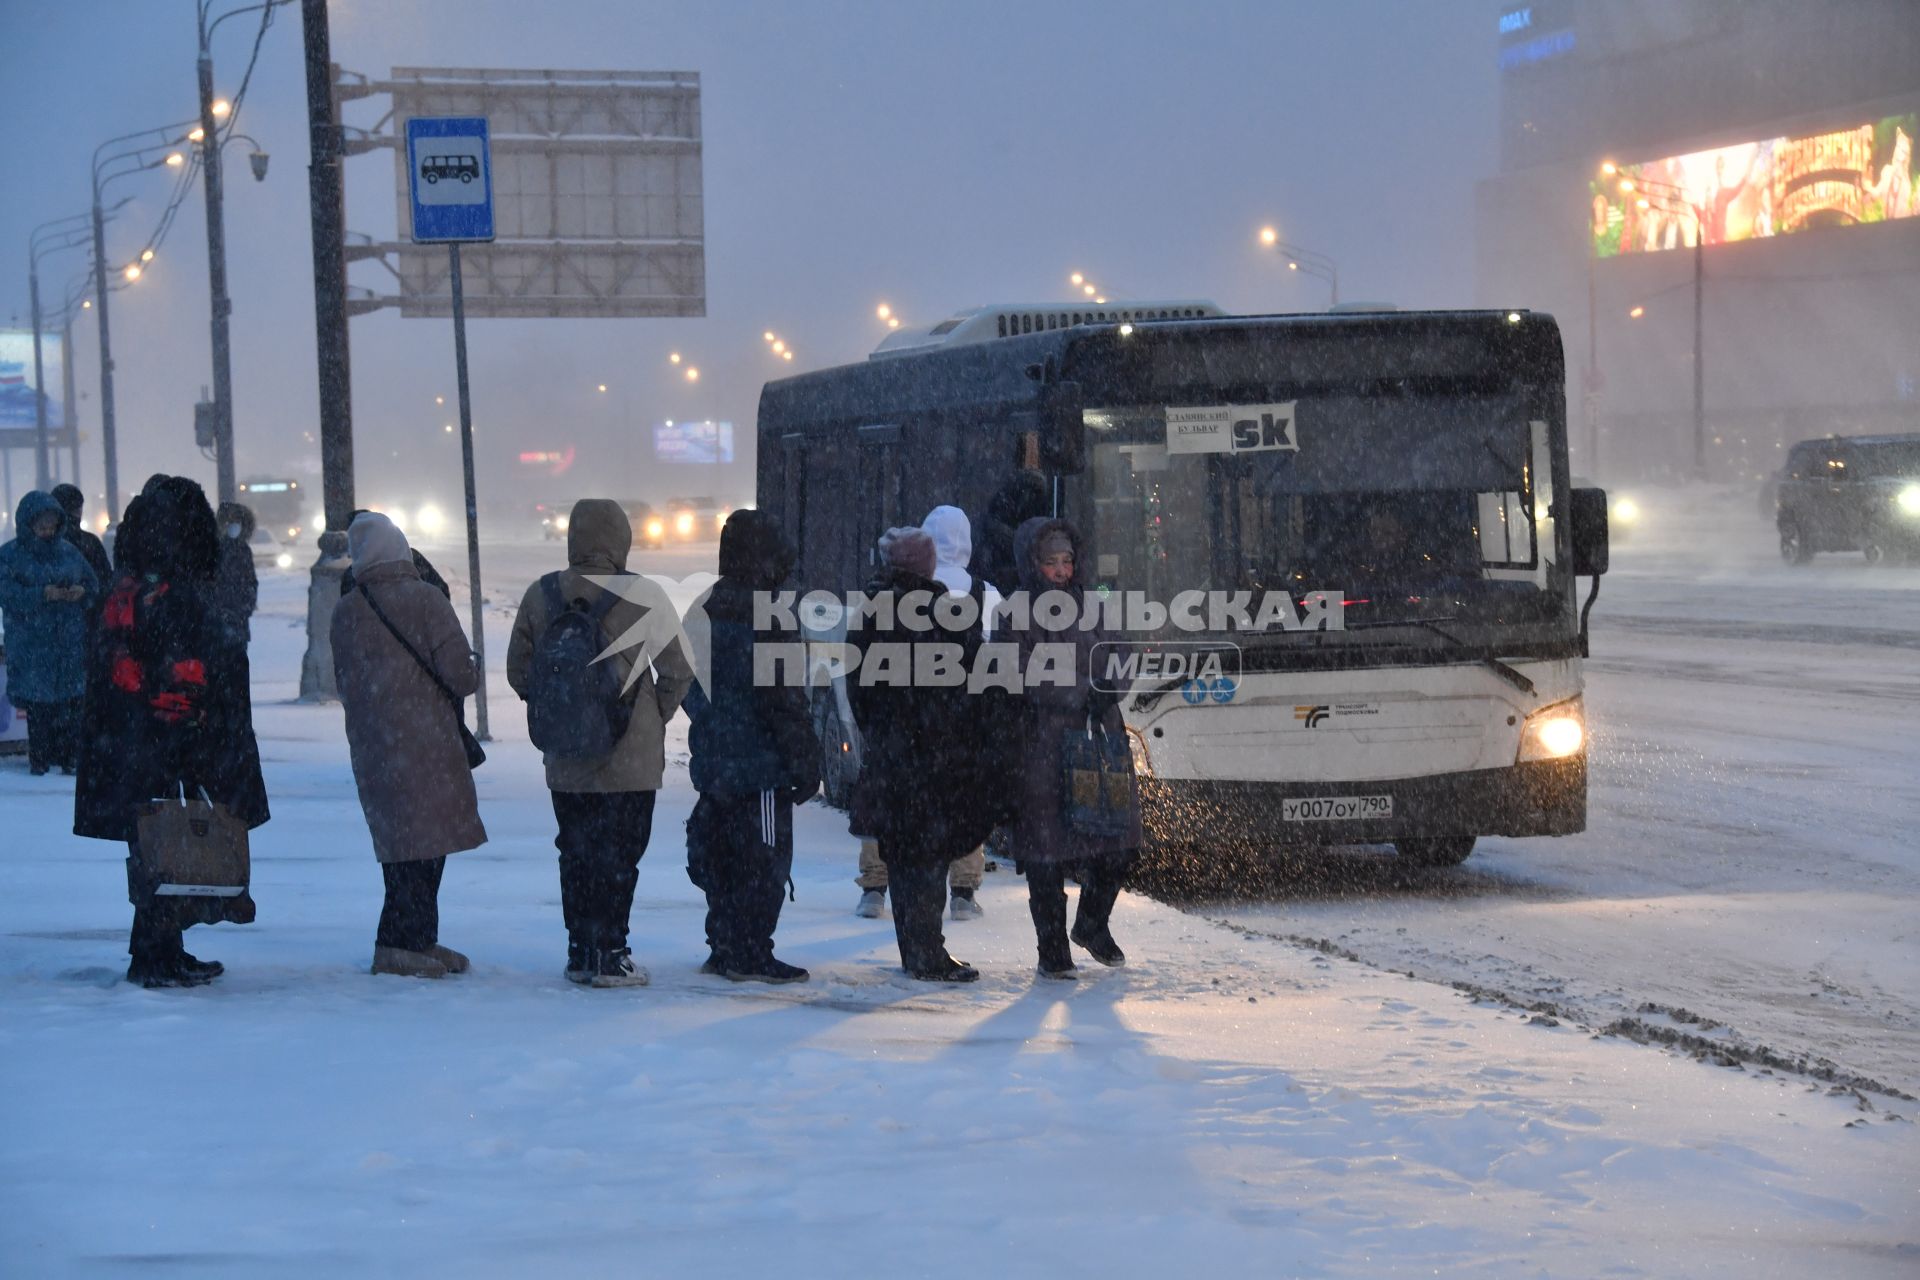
<point>910,549</point>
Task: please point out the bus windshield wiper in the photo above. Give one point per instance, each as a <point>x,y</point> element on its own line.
<point>1510,674</point>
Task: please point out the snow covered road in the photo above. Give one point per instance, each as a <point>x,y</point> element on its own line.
<point>1751,871</point>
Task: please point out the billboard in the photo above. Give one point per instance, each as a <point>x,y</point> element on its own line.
<point>706,442</point>
<point>16,379</point>
<point>1848,177</point>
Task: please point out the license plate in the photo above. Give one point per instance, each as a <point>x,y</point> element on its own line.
<point>1335,808</point>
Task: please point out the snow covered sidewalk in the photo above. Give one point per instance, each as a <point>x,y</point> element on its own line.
<point>1230,1105</point>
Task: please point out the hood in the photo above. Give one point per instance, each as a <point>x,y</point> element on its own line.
<point>753,550</point>
<point>71,500</point>
<point>1028,535</point>
<point>373,539</point>
<point>35,504</point>
<point>232,513</point>
<point>599,535</point>
<point>952,535</point>
<point>169,531</point>
<point>1021,498</point>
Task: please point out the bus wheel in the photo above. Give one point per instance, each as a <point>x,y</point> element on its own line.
<point>1434,851</point>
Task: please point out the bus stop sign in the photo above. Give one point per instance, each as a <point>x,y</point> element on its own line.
<point>450,179</point>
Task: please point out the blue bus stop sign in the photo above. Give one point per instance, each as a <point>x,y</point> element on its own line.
<point>450,179</point>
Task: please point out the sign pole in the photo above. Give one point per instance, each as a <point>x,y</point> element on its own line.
<point>473,512</point>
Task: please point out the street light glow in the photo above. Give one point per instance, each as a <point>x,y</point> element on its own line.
<point>883,311</point>
<point>197,135</point>
<point>1077,279</point>
<point>894,323</point>
<point>133,271</point>
<point>779,346</point>
<point>439,399</point>
<point>786,355</point>
<point>175,159</point>
<point>1608,168</point>
<point>1269,236</point>
<point>1293,266</point>
<point>1626,186</point>
<point>673,357</point>
<point>767,336</point>
<point>1101,301</point>
<point>1636,313</point>
<point>1089,290</point>
<point>146,255</point>
<point>603,386</point>
<point>693,375</point>
<point>221,106</point>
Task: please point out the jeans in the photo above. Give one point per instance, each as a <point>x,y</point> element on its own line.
<point>603,835</point>
<point>410,917</point>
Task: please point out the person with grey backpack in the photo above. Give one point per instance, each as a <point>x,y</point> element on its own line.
<point>600,725</point>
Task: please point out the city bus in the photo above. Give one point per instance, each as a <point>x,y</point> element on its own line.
<point>278,504</point>
<point>1403,473</point>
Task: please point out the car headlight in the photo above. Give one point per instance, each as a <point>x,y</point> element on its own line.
<point>656,529</point>
<point>1555,732</point>
<point>284,560</point>
<point>560,523</point>
<point>1908,500</point>
<point>1137,742</point>
<point>1626,511</point>
<point>683,524</point>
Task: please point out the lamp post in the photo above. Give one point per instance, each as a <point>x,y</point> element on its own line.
<point>1674,195</point>
<point>46,239</point>
<point>1305,261</point>
<point>161,136</point>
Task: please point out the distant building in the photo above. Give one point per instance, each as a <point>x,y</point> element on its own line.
<point>1786,134</point>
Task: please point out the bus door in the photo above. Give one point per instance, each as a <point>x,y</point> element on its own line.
<point>879,494</point>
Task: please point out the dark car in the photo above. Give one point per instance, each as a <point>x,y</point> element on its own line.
<point>1850,493</point>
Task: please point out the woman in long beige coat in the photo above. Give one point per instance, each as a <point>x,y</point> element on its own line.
<point>403,729</point>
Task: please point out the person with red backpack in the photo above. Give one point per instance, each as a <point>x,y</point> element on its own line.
<point>601,726</point>
<point>167,707</point>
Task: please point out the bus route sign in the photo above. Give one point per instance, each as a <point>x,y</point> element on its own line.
<point>449,179</point>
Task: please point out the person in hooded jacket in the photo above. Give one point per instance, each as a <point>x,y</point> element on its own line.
<point>952,535</point>
<point>1050,557</point>
<point>73,502</point>
<point>47,592</point>
<point>1021,498</point>
<point>428,574</point>
<point>168,707</point>
<point>604,804</point>
<point>403,666</point>
<point>236,585</point>
<point>754,757</point>
<point>918,792</point>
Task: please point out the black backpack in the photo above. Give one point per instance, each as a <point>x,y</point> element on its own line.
<point>575,705</point>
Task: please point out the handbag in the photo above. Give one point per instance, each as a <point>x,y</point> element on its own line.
<point>194,848</point>
<point>1099,783</point>
<point>476,754</point>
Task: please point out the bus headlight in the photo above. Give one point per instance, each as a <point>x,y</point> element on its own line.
<point>1137,742</point>
<point>1625,511</point>
<point>1554,733</point>
<point>1908,500</point>
<point>284,560</point>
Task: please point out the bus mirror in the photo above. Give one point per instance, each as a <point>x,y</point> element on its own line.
<point>1063,430</point>
<point>1587,525</point>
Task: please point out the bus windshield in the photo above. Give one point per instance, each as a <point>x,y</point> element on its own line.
<point>1419,508</point>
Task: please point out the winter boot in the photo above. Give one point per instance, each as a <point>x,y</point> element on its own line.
<point>1099,944</point>
<point>964,907</point>
<point>615,968</point>
<point>577,971</point>
<point>713,968</point>
<point>455,962</point>
<point>768,970</point>
<point>406,964</point>
<point>873,904</point>
<point>154,974</point>
<point>208,969</point>
<point>946,970</point>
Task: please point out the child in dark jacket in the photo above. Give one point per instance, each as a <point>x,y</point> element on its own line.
<point>754,758</point>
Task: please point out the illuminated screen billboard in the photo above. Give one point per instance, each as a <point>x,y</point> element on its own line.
<point>705,442</point>
<point>1753,190</point>
<point>16,379</point>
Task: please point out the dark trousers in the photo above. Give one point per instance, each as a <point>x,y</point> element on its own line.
<point>740,854</point>
<point>53,733</point>
<point>919,889</point>
<point>410,917</point>
<point>602,837</point>
<point>157,924</point>
<point>1100,882</point>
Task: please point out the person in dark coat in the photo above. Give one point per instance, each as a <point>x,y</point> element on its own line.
<point>167,706</point>
<point>428,574</point>
<point>917,793</point>
<point>72,501</point>
<point>754,757</point>
<point>1020,499</point>
<point>47,592</point>
<point>236,585</point>
<point>1051,557</point>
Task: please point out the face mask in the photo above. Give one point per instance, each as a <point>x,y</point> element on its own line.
<point>233,531</point>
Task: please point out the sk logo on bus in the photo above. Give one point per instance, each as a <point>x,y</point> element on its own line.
<point>1312,716</point>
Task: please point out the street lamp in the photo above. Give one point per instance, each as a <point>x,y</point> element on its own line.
<point>162,136</point>
<point>1305,260</point>
<point>47,239</point>
<point>1674,195</point>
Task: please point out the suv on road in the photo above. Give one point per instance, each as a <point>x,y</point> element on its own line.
<point>1850,493</point>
